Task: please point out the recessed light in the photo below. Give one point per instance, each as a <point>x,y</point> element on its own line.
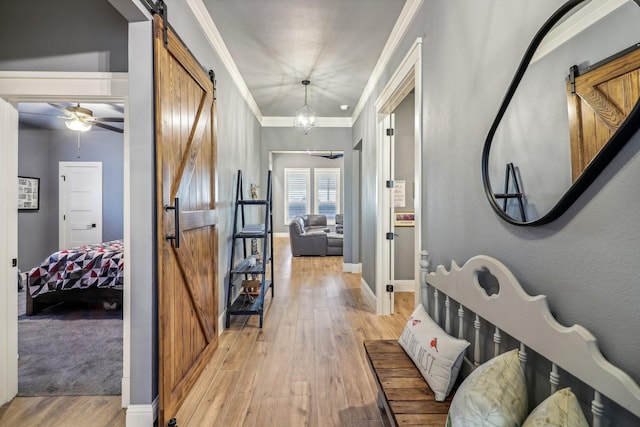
<point>344,107</point>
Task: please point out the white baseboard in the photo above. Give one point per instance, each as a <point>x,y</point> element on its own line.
<point>142,415</point>
<point>221,321</point>
<point>352,268</point>
<point>285,234</point>
<point>125,385</point>
<point>404,285</point>
<point>368,294</point>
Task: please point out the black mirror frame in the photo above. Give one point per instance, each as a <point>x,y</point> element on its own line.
<point>599,162</point>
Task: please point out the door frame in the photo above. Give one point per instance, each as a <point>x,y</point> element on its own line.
<point>406,77</point>
<point>36,86</point>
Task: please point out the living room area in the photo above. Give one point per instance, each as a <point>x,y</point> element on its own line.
<point>307,201</point>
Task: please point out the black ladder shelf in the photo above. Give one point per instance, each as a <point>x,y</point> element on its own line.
<point>246,297</point>
<point>510,174</point>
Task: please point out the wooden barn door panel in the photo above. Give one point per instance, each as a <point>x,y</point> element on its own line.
<point>187,219</point>
<point>603,99</point>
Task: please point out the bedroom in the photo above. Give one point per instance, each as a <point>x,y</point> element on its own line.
<point>45,146</point>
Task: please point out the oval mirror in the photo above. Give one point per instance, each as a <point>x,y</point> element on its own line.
<point>570,108</point>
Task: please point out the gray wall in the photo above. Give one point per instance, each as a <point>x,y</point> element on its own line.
<point>289,139</point>
<point>69,35</point>
<point>404,243</point>
<point>297,160</point>
<point>40,152</point>
<point>586,261</point>
<point>35,236</point>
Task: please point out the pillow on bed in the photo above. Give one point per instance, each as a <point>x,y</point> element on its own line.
<point>437,355</point>
<point>494,394</point>
<point>561,409</point>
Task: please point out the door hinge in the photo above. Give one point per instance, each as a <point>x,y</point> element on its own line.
<point>14,262</point>
<point>390,184</point>
<point>390,236</point>
<point>573,73</point>
<point>64,177</point>
<point>390,132</point>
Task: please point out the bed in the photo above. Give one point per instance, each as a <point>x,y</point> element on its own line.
<point>88,273</point>
<point>484,303</point>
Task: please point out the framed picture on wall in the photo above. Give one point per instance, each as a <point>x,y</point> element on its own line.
<point>405,219</point>
<point>28,193</point>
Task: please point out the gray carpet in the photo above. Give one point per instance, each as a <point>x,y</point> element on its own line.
<point>69,350</point>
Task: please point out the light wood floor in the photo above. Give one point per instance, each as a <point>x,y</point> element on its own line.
<point>305,367</point>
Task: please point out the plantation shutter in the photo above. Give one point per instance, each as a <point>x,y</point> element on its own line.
<point>327,191</point>
<point>297,193</point>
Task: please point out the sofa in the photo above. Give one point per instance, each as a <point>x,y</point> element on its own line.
<point>315,239</point>
<point>313,222</point>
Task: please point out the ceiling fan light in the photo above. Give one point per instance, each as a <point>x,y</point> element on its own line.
<point>78,125</point>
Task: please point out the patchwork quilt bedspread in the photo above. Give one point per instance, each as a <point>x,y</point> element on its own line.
<point>88,266</point>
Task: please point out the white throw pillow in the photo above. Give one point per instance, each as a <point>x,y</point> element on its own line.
<point>561,409</point>
<point>493,395</point>
<point>437,355</point>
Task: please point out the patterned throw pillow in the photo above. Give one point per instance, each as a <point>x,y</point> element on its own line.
<point>437,355</point>
<point>561,409</point>
<point>493,395</point>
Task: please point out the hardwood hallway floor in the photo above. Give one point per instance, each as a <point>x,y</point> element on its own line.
<point>305,367</point>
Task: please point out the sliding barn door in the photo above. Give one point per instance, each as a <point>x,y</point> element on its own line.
<point>187,219</point>
<point>598,104</point>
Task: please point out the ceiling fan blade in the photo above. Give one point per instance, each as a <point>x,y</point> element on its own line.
<point>41,114</point>
<point>60,107</point>
<point>109,127</point>
<point>107,119</point>
<point>329,154</point>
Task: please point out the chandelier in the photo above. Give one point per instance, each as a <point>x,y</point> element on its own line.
<point>305,118</point>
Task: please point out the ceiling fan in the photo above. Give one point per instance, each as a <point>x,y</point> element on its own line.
<point>81,119</point>
<point>327,155</point>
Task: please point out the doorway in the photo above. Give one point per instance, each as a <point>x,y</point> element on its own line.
<point>405,80</point>
<point>44,87</point>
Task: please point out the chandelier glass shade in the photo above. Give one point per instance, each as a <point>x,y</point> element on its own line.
<point>305,118</point>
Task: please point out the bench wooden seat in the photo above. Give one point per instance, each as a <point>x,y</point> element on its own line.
<point>403,393</point>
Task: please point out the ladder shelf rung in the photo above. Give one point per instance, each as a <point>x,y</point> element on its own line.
<point>253,202</point>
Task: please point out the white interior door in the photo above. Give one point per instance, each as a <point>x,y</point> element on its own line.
<point>80,203</point>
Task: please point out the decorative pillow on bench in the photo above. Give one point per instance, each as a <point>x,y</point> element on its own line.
<point>437,355</point>
<point>493,395</point>
<point>560,409</point>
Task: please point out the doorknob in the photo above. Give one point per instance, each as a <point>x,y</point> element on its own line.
<point>176,215</point>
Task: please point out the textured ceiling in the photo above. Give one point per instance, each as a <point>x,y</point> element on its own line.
<point>278,43</point>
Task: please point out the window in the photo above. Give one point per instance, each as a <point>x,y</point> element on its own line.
<point>297,190</point>
<point>327,192</point>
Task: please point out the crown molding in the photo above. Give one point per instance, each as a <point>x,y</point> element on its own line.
<point>582,19</point>
<point>405,19</point>
<point>203,17</point>
<point>323,122</point>
<point>407,15</point>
